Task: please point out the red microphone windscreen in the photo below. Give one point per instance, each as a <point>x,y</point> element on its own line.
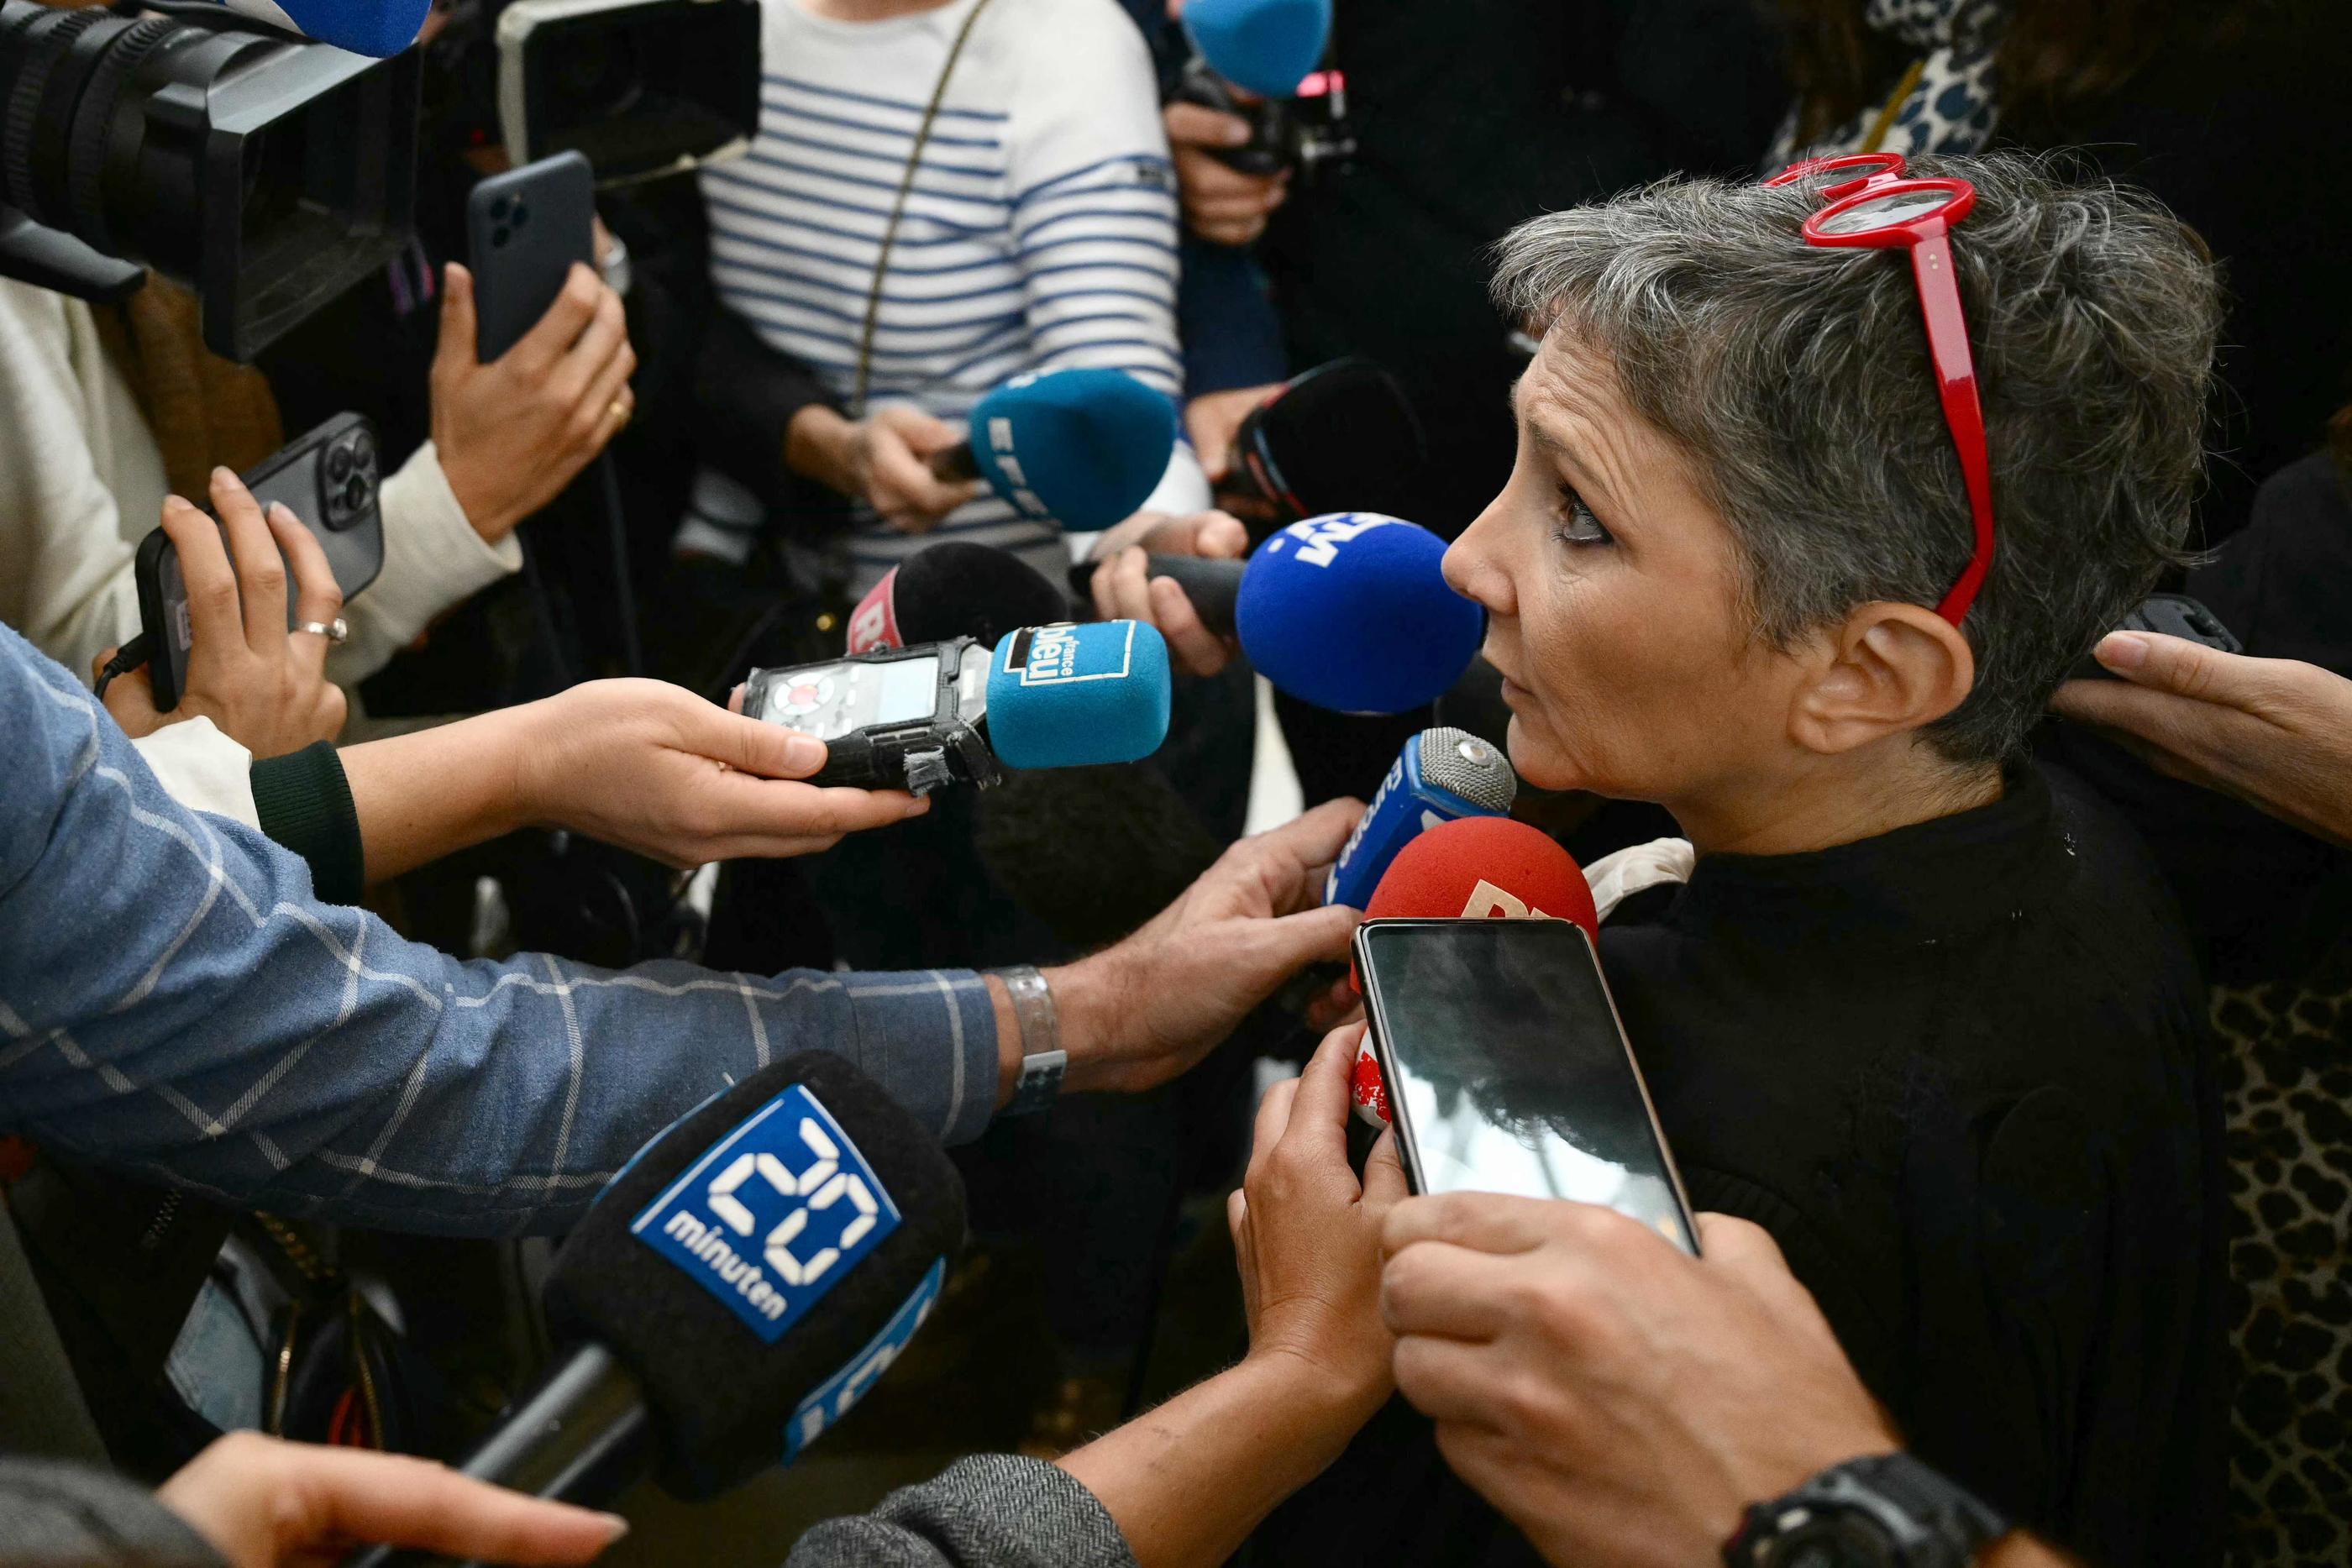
<point>1482,867</point>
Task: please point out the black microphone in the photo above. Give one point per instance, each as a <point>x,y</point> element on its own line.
<point>954,589</point>
<point>1212,584</point>
<point>735,1288</point>
<point>1340,437</point>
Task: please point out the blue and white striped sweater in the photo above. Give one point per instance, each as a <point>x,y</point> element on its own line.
<point>1039,232</point>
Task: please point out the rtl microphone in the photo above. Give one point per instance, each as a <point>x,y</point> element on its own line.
<point>953,588</point>
<point>739,1284</point>
<point>1082,448</point>
<point>1475,868</point>
<point>1353,613</point>
<point>1339,437</point>
<point>1441,775</point>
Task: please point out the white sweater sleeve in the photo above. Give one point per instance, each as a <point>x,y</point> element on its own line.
<point>433,560</point>
<point>65,566</point>
<point>1094,197</point>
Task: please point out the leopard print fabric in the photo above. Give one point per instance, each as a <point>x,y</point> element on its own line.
<point>2287,1098</point>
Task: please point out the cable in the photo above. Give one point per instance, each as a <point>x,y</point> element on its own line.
<point>127,658</point>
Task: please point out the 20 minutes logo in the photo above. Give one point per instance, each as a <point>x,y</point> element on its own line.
<point>772,1217</point>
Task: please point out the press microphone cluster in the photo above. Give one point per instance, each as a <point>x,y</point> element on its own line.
<point>735,1290</point>
<point>1080,448</point>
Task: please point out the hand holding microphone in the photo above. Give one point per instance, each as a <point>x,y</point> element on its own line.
<point>1080,448</point>
<point>885,460</point>
<point>1151,569</point>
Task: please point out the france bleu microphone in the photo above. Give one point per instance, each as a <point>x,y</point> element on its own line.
<point>953,588</point>
<point>1441,775</point>
<point>1080,447</point>
<point>1064,696</point>
<point>734,1291</point>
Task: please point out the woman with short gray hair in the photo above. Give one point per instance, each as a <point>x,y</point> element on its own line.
<point>1779,558</point>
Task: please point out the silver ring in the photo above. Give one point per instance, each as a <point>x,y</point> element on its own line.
<point>336,631</point>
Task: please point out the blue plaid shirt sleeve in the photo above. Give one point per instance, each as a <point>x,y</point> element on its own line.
<point>175,1002</point>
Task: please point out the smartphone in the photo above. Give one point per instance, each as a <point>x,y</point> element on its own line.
<point>1508,1070</point>
<point>330,478</point>
<point>2175,616</point>
<point>524,229</point>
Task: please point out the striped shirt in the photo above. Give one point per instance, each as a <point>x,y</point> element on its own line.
<point>1039,232</point>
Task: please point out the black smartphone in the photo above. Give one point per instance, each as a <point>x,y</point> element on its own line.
<point>524,229</point>
<point>1507,1071</point>
<point>332,480</point>
<point>2175,616</point>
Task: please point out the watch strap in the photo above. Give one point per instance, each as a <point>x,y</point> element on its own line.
<point>1042,1060</point>
<point>1927,1519</point>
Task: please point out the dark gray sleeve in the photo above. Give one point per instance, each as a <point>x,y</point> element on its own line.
<point>994,1510</point>
<point>59,1515</point>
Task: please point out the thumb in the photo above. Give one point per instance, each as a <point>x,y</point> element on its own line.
<point>1218,536</point>
<point>923,434</point>
<point>457,340</point>
<point>750,746</point>
<point>2184,668</point>
<point>1384,1182</point>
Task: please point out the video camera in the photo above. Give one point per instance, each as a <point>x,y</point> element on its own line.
<point>266,172</point>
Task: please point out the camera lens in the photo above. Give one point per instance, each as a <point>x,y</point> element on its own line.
<point>339,464</point>
<point>363,447</point>
<point>355,493</point>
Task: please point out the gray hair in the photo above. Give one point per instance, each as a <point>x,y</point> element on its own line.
<point>1797,380</point>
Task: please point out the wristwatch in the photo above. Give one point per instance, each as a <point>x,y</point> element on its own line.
<point>1885,1511</point>
<point>1042,1057</point>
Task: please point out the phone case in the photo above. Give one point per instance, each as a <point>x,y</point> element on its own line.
<point>524,229</point>
<point>163,617</point>
<point>2174,615</point>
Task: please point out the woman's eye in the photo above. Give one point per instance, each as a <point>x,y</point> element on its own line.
<point>1578,525</point>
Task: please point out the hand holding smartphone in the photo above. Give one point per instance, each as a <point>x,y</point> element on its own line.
<point>1507,1071</point>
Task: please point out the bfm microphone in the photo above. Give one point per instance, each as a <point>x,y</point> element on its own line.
<point>953,588</point>
<point>1267,46</point>
<point>1441,775</point>
<point>1065,696</point>
<point>1476,868</point>
<point>1082,448</point>
<point>739,1284</point>
<point>379,29</point>
<point>1339,437</point>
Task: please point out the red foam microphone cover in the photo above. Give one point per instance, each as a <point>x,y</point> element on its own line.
<point>1483,867</point>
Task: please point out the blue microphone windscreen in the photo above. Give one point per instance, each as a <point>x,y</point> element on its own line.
<point>1080,447</point>
<point>1069,696</point>
<point>1265,46</point>
<point>380,29</point>
<point>1351,612</point>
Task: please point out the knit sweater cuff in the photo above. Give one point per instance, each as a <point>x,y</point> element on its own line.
<point>305,804</point>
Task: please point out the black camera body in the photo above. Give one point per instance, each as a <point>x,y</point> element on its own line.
<point>265,172</point>
<point>1308,135</point>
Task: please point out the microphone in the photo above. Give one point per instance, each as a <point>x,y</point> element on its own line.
<point>1211,582</point>
<point>378,28</point>
<point>1083,448</point>
<point>1475,868</point>
<point>953,588</point>
<point>1094,852</point>
<point>1267,46</point>
<point>1351,612</point>
<point>733,1291</point>
<point>1339,438</point>
<point>1441,775</point>
<point>1067,695</point>
<point>1475,703</point>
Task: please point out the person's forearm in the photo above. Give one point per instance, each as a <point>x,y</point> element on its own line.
<point>1189,1481</point>
<point>428,793</point>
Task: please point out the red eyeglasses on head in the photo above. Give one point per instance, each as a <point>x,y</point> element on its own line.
<point>1867,202</point>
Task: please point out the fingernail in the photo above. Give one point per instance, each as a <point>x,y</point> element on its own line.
<point>804,752</point>
<point>170,502</point>
<point>2123,650</point>
<point>280,512</point>
<point>617,1524</point>
<point>222,472</point>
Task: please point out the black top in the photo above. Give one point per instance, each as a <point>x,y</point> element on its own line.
<point>1958,1071</point>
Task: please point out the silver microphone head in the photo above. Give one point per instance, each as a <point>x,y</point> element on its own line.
<point>1458,761</point>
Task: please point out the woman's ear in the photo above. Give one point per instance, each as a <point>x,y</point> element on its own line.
<point>1893,668</point>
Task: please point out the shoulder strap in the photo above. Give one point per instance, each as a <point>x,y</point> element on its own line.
<point>41,1407</point>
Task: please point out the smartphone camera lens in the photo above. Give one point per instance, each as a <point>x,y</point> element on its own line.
<point>338,464</point>
<point>499,208</point>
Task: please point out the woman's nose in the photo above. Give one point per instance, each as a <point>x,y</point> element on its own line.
<point>1472,570</point>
